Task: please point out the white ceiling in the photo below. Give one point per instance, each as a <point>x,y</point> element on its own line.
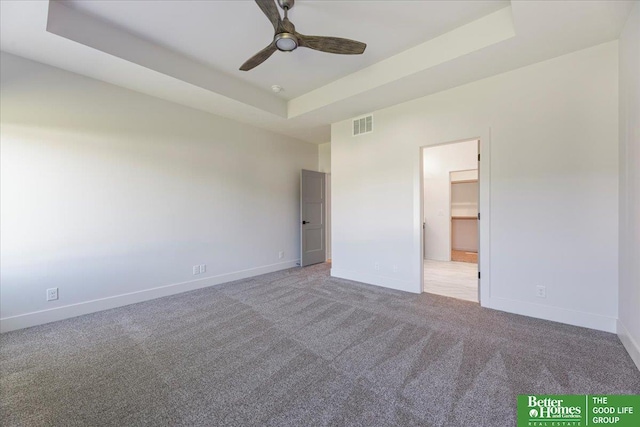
<point>189,51</point>
<point>224,34</point>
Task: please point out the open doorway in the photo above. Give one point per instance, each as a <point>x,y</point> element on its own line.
<point>450,219</point>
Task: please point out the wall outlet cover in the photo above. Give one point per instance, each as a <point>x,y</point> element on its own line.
<point>52,294</point>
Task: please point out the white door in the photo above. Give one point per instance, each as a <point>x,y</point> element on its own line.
<point>312,227</point>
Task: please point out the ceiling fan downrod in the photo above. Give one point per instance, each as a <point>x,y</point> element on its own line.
<point>286,41</point>
<point>286,5</point>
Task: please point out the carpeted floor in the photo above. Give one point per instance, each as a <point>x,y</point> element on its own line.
<point>298,348</point>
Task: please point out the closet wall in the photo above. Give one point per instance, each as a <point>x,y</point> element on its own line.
<point>464,214</point>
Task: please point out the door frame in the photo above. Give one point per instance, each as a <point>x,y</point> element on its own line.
<point>327,218</point>
<point>323,216</point>
<point>484,209</point>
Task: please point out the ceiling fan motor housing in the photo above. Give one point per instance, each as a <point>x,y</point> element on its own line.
<point>286,42</point>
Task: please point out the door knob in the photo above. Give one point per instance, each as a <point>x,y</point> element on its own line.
<point>305,222</point>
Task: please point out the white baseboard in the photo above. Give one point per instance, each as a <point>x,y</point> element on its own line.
<point>60,313</point>
<point>539,311</point>
<point>556,314</point>
<point>372,279</point>
<point>629,343</point>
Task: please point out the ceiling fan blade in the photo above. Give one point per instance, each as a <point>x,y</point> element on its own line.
<point>332,44</point>
<point>271,10</point>
<point>259,57</point>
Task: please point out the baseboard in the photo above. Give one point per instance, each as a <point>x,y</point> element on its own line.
<point>556,314</point>
<point>539,311</point>
<point>629,343</point>
<point>65,312</point>
<point>371,279</point>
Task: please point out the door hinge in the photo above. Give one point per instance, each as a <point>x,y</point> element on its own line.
<point>478,216</point>
<point>478,274</point>
<point>478,157</point>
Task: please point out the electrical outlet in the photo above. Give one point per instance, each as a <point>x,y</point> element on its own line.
<point>376,266</point>
<point>196,269</point>
<point>541,291</point>
<point>280,254</point>
<point>203,268</point>
<point>395,268</point>
<point>52,294</point>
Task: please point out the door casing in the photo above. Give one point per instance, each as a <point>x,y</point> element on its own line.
<point>313,248</point>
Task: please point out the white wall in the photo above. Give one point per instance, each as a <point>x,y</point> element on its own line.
<point>324,157</point>
<point>108,195</point>
<point>439,162</point>
<point>549,150</point>
<point>629,304</point>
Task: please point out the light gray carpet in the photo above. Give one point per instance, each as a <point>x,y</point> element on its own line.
<point>298,348</point>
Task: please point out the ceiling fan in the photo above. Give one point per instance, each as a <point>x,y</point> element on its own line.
<point>287,39</point>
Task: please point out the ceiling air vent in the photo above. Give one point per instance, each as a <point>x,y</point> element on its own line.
<point>362,125</point>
